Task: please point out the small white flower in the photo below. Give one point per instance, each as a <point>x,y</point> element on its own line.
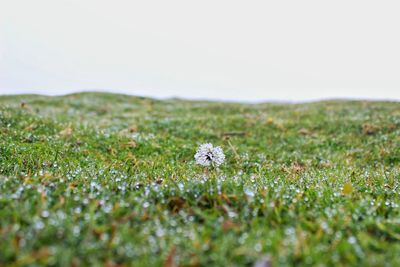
<point>207,155</point>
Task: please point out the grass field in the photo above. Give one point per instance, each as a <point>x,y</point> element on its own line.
<point>101,179</point>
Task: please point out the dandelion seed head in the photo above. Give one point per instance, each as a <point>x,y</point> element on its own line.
<point>207,155</point>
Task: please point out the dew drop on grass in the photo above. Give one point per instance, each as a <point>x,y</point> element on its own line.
<point>289,231</point>
<point>232,214</point>
<point>181,186</point>
<point>258,247</point>
<point>38,225</point>
<point>104,237</point>
<point>250,193</point>
<point>160,232</point>
<point>243,238</point>
<point>76,230</point>
<point>107,208</point>
<point>352,240</point>
<point>45,214</point>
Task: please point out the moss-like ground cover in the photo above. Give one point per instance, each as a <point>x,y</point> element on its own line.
<point>103,179</point>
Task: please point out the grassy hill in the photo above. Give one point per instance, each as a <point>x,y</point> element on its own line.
<point>93,179</point>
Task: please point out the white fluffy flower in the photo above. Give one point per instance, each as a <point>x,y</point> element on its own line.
<point>207,155</point>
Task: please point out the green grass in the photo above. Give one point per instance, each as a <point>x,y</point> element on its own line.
<point>103,179</point>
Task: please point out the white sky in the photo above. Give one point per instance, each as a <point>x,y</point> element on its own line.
<point>232,50</point>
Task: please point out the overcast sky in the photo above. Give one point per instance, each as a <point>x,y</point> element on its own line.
<point>232,50</point>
